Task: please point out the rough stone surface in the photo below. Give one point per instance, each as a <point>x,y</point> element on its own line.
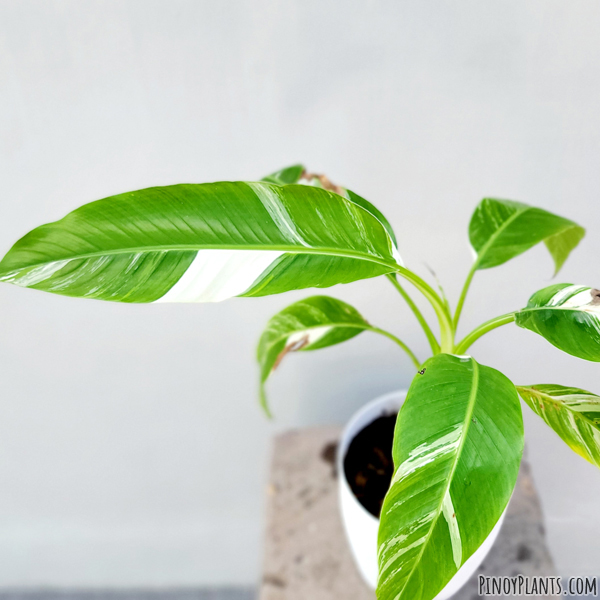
<point>306,555</point>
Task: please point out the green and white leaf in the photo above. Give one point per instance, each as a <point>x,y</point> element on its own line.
<point>203,243</point>
<point>362,202</point>
<point>457,448</point>
<point>574,415</point>
<point>502,229</point>
<point>310,324</point>
<point>568,316</point>
<point>299,174</point>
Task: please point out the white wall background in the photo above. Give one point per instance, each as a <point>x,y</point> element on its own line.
<point>132,451</point>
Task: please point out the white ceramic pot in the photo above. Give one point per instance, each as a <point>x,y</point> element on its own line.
<point>361,526</point>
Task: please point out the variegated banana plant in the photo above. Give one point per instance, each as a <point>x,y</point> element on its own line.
<point>459,435</point>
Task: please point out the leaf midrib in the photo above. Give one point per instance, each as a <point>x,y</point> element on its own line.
<point>466,425</point>
<point>494,236</point>
<point>190,248</point>
<point>548,398</point>
<point>566,308</point>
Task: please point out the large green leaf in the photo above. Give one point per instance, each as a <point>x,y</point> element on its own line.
<point>568,316</point>
<point>457,448</point>
<point>299,174</point>
<point>309,324</point>
<point>573,413</point>
<point>203,242</point>
<point>501,229</point>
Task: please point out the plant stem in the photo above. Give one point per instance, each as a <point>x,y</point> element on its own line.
<point>435,346</point>
<point>441,310</point>
<point>400,343</point>
<point>463,295</point>
<point>484,328</point>
<point>439,285</point>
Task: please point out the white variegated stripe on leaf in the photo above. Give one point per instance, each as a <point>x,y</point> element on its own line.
<point>308,337</point>
<point>427,452</point>
<point>450,515</point>
<point>577,297</point>
<point>312,323</point>
<point>458,444</point>
<point>566,315</point>
<point>573,413</point>
<point>217,275</point>
<point>203,242</point>
<point>299,174</point>
<point>36,274</point>
<point>270,199</point>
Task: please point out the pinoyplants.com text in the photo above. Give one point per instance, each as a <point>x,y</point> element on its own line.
<point>520,585</point>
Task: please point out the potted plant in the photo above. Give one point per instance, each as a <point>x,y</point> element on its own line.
<point>458,438</point>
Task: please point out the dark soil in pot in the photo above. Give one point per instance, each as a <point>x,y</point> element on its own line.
<point>368,463</point>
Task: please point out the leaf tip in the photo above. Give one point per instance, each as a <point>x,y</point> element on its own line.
<point>264,403</point>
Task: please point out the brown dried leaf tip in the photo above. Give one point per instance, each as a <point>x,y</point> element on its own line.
<point>595,296</point>
<point>324,180</point>
<point>293,347</point>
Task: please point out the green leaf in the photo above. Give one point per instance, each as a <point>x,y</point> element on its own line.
<point>299,174</point>
<point>457,447</point>
<point>501,229</point>
<point>285,176</point>
<point>573,413</point>
<point>203,242</point>
<point>309,324</point>
<point>568,316</point>
<point>373,210</point>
